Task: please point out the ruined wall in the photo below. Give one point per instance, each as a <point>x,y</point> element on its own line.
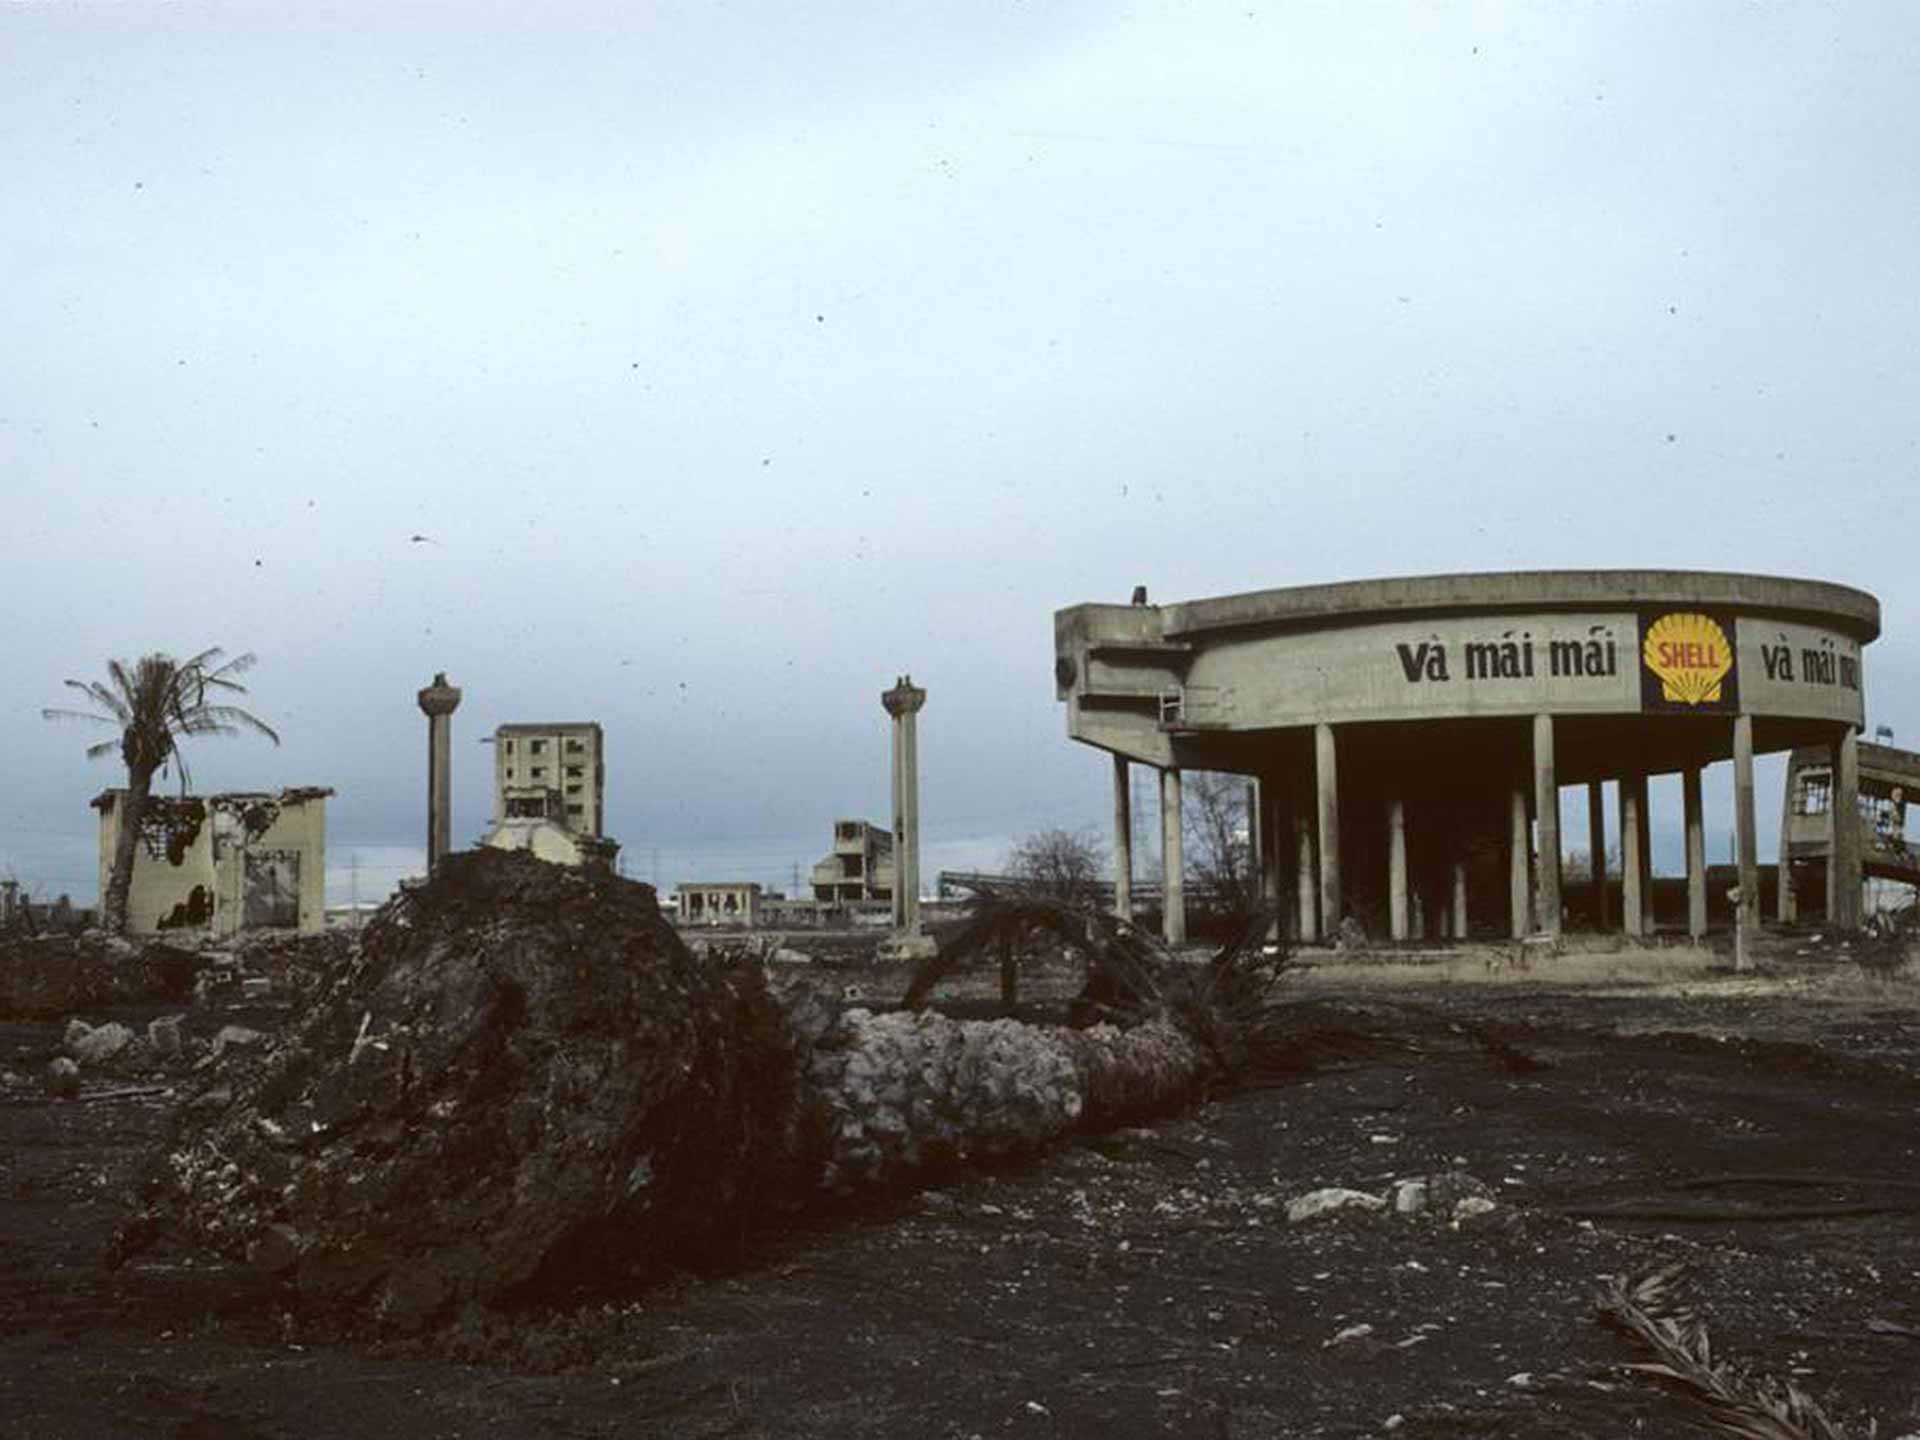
<point>222,863</point>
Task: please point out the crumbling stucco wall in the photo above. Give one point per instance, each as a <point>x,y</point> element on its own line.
<point>218,864</point>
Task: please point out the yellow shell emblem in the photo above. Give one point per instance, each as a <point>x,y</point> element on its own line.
<point>1690,654</point>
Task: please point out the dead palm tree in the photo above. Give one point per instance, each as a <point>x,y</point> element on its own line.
<point>155,703</point>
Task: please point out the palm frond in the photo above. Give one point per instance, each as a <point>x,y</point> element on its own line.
<point>107,700</point>
<point>101,749</point>
<point>1729,1399</point>
<point>226,720</point>
<point>88,715</point>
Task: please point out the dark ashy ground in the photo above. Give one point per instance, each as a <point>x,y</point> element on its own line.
<point>1144,1283</point>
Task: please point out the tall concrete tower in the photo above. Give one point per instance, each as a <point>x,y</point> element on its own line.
<point>903,703</point>
<point>438,702</point>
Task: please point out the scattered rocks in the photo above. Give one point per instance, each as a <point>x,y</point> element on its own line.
<point>94,1045</point>
<point>1329,1201</point>
<point>1471,1207</point>
<point>236,1037</point>
<point>62,1077</point>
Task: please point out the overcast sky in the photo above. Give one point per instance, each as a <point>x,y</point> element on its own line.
<point>737,358</point>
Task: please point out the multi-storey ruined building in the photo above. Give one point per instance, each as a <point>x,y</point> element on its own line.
<point>860,868</point>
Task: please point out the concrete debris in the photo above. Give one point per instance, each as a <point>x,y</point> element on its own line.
<point>1472,1207</point>
<point>236,1037</point>
<point>163,1035</point>
<point>63,1077</point>
<point>1329,1201</point>
<point>94,1045</point>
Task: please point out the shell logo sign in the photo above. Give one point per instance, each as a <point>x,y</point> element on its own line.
<point>1691,655</point>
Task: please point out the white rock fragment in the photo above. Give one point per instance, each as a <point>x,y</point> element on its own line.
<point>1471,1207</point>
<point>1315,1203</point>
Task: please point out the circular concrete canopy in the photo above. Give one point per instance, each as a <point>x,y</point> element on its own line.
<point>1435,680</point>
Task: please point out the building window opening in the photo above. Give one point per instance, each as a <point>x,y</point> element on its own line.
<point>576,772</point>
<point>574,747</point>
<point>538,747</point>
<point>1815,796</point>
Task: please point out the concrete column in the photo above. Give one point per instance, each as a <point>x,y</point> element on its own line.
<point>1266,821</point>
<point>1633,912</point>
<point>1397,868</point>
<point>1546,804</point>
<point>1843,887</point>
<point>1173,894</point>
<point>1519,862</point>
<point>1743,823</point>
<point>1597,849</point>
<point>1458,909</point>
<point>1326,763</point>
<point>1122,839</point>
<point>1696,853</point>
<point>1644,819</point>
<point>1785,908</point>
<point>438,702</point>
<point>1306,909</point>
<point>903,703</point>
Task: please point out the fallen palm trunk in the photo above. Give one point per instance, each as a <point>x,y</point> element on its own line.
<point>525,1083</point>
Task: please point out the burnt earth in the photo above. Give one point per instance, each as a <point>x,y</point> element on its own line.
<point>1144,1283</point>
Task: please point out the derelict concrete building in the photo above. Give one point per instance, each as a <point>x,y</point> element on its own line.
<point>1412,736</point>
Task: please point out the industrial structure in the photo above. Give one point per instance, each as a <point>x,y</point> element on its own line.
<point>549,793</point>
<point>718,902</point>
<point>555,771</point>
<point>1412,736</point>
<point>1888,782</point>
<point>218,864</point>
<point>859,869</point>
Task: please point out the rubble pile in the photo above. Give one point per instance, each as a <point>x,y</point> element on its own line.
<point>903,1093</point>
<point>51,977</point>
<point>522,1080</point>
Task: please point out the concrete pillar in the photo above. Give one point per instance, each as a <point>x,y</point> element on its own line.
<point>1306,909</point>
<point>1633,802</point>
<point>1274,843</point>
<point>1122,839</point>
<point>1597,849</point>
<point>1397,868</point>
<point>1173,894</point>
<point>1644,819</point>
<point>1458,909</point>
<point>1696,853</point>
<point>1785,906</point>
<point>1546,804</point>
<point>1843,887</point>
<point>1519,863</point>
<point>1743,824</point>
<point>1326,772</point>
<point>438,702</point>
<point>903,703</point>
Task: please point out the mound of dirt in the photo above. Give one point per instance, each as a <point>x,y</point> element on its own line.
<point>524,1083</point>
